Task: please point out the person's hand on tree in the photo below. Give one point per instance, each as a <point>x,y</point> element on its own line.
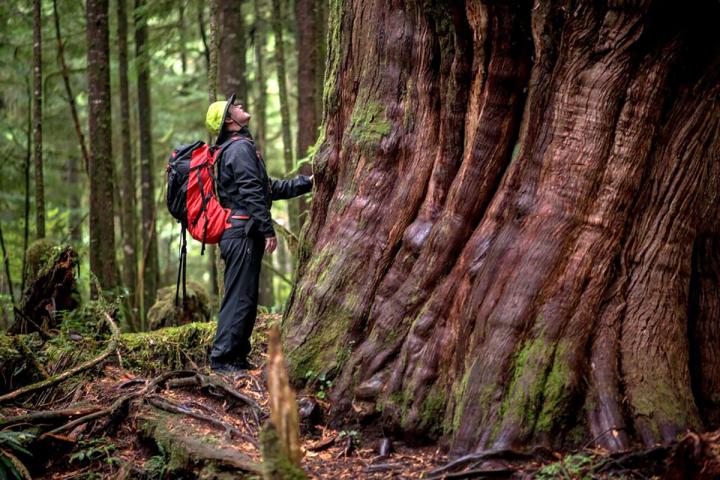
<point>270,244</point>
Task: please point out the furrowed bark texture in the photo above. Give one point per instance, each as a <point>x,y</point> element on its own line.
<point>102,229</point>
<point>513,238</point>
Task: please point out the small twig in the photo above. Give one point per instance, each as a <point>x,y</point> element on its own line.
<point>112,345</point>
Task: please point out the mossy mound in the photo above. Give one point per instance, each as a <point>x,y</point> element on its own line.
<point>165,314</point>
<point>168,348</point>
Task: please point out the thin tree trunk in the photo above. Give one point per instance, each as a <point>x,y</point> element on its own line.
<point>277,24</point>
<point>212,49</point>
<point>37,120</point>
<point>26,168</point>
<point>498,300</point>
<point>102,230</point>
<point>68,88</point>
<point>183,41</point>
<point>150,263</point>
<point>232,68</point>
<point>266,294</point>
<point>259,33</point>
<point>203,35</point>
<point>310,53</point>
<point>74,201</point>
<point>127,178</point>
<point>6,263</point>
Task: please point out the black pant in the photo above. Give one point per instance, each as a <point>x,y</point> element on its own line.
<point>243,257</point>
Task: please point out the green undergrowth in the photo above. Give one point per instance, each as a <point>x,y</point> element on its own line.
<point>577,466</point>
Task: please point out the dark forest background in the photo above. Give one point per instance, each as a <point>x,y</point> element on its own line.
<point>45,187</point>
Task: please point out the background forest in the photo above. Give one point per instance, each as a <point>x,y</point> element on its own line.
<point>175,39</point>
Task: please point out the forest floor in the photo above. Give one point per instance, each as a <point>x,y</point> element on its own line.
<point>196,424</point>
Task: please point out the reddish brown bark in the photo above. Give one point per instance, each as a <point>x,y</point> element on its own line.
<point>501,238</point>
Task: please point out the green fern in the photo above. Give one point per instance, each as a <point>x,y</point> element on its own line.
<point>12,444</point>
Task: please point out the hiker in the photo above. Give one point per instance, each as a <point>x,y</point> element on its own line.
<point>243,186</point>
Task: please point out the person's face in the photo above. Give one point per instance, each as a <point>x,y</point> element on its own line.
<point>237,115</point>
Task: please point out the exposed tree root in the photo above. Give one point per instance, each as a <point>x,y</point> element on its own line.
<point>47,416</point>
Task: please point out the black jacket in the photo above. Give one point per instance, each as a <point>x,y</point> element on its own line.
<point>244,185</point>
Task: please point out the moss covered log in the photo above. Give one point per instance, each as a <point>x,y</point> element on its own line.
<point>192,452</point>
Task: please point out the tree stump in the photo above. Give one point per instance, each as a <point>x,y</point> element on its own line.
<point>52,287</point>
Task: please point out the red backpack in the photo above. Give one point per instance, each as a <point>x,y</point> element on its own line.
<point>192,196</point>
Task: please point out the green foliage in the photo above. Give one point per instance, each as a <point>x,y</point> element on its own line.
<point>577,466</point>
<point>156,466</point>
<point>12,445</point>
<point>95,449</point>
<point>319,381</point>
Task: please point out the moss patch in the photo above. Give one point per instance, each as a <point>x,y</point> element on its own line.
<point>368,124</point>
<point>171,347</point>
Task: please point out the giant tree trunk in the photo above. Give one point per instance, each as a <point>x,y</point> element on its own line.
<point>102,229</point>
<point>514,232</point>
<point>37,120</point>
<point>127,165</point>
<point>149,262</point>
